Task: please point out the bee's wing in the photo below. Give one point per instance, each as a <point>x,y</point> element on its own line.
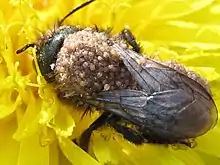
<point>118,101</point>
<point>134,104</point>
<point>153,76</point>
<point>168,113</point>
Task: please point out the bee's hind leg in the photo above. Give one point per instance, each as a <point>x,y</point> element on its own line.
<point>131,40</point>
<point>129,134</point>
<point>85,137</point>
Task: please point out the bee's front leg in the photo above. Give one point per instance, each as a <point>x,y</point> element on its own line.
<point>131,40</point>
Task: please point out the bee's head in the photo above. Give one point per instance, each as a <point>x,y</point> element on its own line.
<point>50,44</point>
<point>47,49</point>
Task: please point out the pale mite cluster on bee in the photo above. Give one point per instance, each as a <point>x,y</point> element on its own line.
<point>87,64</point>
<point>178,67</point>
<point>189,73</point>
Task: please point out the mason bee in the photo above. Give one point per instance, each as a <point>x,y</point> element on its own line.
<point>146,100</point>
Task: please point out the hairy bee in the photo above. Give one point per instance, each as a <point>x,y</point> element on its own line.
<point>145,100</point>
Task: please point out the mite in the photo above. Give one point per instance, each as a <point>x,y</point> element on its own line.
<point>146,100</point>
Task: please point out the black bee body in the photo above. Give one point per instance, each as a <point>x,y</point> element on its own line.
<point>170,107</point>
<point>145,100</point>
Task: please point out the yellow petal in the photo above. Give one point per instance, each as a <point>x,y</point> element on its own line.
<point>32,151</point>
<point>208,143</point>
<point>63,123</point>
<point>188,156</point>
<point>54,154</point>
<point>74,154</point>
<point>9,147</point>
<point>29,123</point>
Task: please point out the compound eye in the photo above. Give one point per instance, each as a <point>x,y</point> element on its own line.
<point>47,52</point>
<point>47,55</point>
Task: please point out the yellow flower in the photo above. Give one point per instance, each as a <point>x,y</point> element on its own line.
<point>36,128</point>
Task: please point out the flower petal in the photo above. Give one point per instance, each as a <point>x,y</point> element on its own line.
<point>74,154</point>
<point>208,143</point>
<point>29,123</point>
<point>32,151</point>
<point>9,147</point>
<point>188,156</point>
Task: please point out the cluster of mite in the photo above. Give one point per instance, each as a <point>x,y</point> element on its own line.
<point>87,64</point>
<point>189,73</point>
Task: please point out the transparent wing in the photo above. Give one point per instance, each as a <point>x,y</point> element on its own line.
<point>169,114</point>
<point>139,106</point>
<point>153,76</point>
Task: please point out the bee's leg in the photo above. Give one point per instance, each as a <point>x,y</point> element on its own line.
<point>130,38</point>
<point>88,110</point>
<point>85,137</point>
<point>128,133</point>
<point>189,143</point>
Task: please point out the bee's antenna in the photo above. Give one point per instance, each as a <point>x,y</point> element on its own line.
<point>74,10</point>
<point>59,23</point>
<point>25,47</point>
